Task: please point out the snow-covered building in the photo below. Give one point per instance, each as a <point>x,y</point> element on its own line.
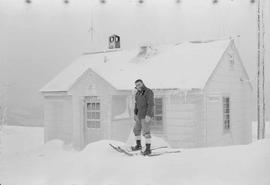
<point>202,95</point>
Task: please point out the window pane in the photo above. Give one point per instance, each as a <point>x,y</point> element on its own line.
<point>90,124</point>
<point>93,124</point>
<point>93,106</point>
<point>93,115</point>
<point>97,115</point>
<point>89,115</point>
<point>158,101</point>
<point>158,111</point>
<point>159,107</point>
<point>226,112</point>
<point>96,124</point>
<point>158,104</point>
<point>227,124</point>
<point>88,106</point>
<point>97,106</point>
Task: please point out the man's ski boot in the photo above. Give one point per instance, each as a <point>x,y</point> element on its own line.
<point>147,150</point>
<point>137,147</point>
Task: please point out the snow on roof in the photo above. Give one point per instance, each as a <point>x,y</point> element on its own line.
<point>184,65</point>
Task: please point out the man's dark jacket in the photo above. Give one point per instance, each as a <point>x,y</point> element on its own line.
<point>144,103</point>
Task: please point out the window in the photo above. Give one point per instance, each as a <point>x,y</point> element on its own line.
<point>111,39</point>
<point>226,113</point>
<point>93,112</point>
<point>158,109</point>
<point>157,123</point>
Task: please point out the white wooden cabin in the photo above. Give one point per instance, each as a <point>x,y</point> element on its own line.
<point>202,95</point>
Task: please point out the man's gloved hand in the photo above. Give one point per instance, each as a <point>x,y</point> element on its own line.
<point>147,118</point>
<point>136,118</point>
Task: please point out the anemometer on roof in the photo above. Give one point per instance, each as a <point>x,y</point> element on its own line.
<point>114,41</point>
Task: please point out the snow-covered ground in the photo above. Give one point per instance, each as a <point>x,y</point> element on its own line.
<point>19,139</point>
<point>25,160</point>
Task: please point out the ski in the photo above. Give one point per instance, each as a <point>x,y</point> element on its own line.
<point>125,152</point>
<point>155,148</point>
<point>115,148</point>
<point>133,153</point>
<point>164,152</point>
<point>119,149</point>
<point>138,152</point>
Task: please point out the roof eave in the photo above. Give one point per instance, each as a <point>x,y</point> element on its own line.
<point>54,93</point>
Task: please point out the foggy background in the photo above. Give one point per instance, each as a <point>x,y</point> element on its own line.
<point>38,40</point>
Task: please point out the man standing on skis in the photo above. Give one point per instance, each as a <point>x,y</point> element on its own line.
<point>143,114</point>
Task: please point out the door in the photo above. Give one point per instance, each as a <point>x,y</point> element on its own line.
<point>92,119</point>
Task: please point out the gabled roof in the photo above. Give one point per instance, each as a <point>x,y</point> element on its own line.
<point>184,65</point>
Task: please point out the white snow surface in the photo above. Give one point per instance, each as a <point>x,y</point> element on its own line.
<point>185,65</point>
<point>55,163</point>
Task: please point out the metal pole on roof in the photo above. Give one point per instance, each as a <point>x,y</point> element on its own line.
<point>260,71</point>
<point>91,29</point>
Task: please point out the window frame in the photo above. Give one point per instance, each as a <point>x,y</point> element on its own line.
<point>155,109</point>
<point>226,113</point>
<point>160,114</point>
<point>93,112</point>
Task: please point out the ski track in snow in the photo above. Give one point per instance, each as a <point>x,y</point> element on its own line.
<point>25,160</point>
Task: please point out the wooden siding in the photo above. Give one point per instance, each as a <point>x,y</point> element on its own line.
<point>228,80</point>
<point>183,117</point>
<point>90,84</point>
<point>58,118</point>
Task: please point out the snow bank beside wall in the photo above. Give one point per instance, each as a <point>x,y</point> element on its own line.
<point>98,164</point>
<point>28,162</point>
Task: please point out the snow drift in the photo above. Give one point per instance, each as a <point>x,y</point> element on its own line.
<point>55,163</point>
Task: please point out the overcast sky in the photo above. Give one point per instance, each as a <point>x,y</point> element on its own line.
<point>38,40</point>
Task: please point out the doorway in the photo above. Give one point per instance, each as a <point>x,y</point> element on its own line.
<point>92,119</point>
